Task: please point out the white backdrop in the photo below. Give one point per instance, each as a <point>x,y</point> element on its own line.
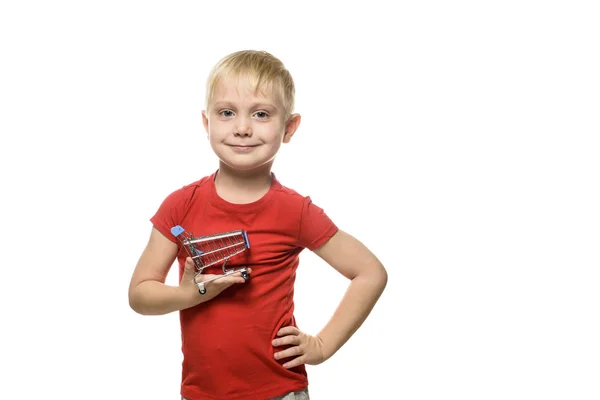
<point>458,140</point>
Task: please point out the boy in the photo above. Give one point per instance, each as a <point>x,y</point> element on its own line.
<point>244,344</point>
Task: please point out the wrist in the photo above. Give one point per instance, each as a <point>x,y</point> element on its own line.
<point>327,351</point>
<point>188,296</point>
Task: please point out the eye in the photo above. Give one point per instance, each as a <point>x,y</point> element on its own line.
<point>226,113</point>
<point>261,115</point>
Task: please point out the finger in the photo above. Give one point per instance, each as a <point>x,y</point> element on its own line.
<point>286,340</point>
<point>295,362</point>
<point>226,281</point>
<point>230,280</point>
<point>288,330</point>
<point>219,278</point>
<point>188,270</point>
<point>224,278</point>
<point>291,352</point>
<point>189,266</point>
<point>234,278</point>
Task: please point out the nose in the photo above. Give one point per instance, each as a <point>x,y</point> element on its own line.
<point>242,127</point>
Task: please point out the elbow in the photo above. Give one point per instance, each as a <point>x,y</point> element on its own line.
<point>135,302</point>
<point>134,305</point>
<point>139,308</point>
<point>376,276</point>
<point>381,278</point>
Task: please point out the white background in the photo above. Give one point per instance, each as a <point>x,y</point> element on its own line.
<point>458,140</point>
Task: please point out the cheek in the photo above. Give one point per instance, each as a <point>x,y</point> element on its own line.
<point>274,147</point>
<point>216,130</point>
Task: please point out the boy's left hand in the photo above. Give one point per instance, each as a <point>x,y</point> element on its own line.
<point>305,348</point>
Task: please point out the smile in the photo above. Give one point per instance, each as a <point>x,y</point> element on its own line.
<point>242,148</point>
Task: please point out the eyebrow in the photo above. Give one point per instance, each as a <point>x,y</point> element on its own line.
<point>225,103</point>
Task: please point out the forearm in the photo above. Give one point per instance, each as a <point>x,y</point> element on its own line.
<point>156,298</point>
<point>357,303</point>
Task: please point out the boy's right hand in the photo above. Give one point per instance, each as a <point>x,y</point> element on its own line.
<point>213,288</point>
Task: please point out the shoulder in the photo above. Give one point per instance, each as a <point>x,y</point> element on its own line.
<point>313,225</point>
<point>291,199</point>
<point>176,205</point>
<point>185,193</point>
<point>298,204</point>
<point>288,194</point>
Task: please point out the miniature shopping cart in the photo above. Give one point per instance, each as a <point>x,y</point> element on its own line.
<point>210,250</point>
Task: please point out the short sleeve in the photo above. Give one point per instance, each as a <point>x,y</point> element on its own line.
<point>169,214</point>
<point>316,228</point>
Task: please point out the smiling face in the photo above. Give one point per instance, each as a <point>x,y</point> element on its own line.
<point>246,127</point>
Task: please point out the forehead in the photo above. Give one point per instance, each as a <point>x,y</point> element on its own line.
<point>243,88</point>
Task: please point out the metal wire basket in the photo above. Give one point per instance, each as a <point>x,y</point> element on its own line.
<point>210,250</point>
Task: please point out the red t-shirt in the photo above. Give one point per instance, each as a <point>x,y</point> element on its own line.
<point>226,342</point>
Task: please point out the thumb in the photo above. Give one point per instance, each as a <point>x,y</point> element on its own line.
<point>189,267</point>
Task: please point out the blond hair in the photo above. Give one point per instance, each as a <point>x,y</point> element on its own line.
<point>263,70</point>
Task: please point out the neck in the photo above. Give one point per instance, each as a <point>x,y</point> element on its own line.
<point>242,186</point>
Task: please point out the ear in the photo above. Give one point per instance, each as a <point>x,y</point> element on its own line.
<point>205,121</point>
<point>290,127</point>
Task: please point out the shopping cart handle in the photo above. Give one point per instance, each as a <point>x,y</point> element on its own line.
<point>177,230</point>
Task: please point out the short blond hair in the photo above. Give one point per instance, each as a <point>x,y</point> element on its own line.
<point>264,70</point>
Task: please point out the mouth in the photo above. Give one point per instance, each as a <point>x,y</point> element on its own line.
<point>242,147</point>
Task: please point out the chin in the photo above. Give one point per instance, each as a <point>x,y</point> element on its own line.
<point>246,166</point>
